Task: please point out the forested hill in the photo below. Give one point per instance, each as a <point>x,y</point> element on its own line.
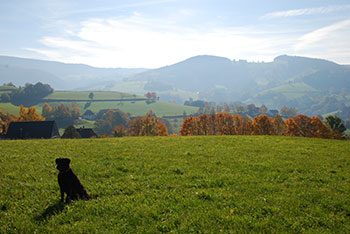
<point>59,75</point>
<point>288,80</point>
<point>241,79</point>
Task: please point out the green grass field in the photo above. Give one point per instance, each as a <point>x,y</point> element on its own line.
<point>84,95</point>
<point>291,91</point>
<point>9,108</point>
<point>212,184</point>
<point>137,108</point>
<point>6,88</point>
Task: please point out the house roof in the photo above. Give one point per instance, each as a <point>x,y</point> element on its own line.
<point>86,132</point>
<point>88,112</point>
<point>32,129</point>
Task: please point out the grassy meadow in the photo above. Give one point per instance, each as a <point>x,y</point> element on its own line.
<point>84,95</point>
<point>136,108</point>
<point>209,184</point>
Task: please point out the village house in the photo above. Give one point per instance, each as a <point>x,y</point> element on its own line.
<point>89,115</point>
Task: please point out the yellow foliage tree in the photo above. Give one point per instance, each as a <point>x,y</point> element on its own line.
<point>29,114</point>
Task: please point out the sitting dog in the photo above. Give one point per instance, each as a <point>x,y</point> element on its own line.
<point>69,182</point>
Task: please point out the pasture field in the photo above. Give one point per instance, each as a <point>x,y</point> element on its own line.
<point>137,108</point>
<point>6,88</point>
<point>208,184</point>
<point>10,108</point>
<point>84,95</point>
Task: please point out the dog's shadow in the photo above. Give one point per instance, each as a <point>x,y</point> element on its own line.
<point>50,211</point>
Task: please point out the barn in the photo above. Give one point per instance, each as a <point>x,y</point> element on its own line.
<point>32,130</point>
<point>86,132</point>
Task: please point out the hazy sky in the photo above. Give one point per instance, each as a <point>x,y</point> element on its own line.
<point>154,33</point>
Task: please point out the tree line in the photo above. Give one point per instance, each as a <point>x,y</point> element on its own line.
<point>224,123</point>
<point>29,95</point>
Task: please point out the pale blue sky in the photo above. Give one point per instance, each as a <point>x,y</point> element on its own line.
<point>154,33</point>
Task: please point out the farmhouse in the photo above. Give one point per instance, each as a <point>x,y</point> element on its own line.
<point>86,132</point>
<point>89,115</point>
<point>32,130</point>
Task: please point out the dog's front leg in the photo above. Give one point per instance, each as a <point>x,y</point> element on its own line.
<point>69,195</point>
<point>62,195</point>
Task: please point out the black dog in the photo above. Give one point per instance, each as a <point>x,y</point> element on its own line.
<point>69,182</point>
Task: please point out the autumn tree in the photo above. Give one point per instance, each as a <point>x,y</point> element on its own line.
<point>319,129</point>
<point>120,131</point>
<point>188,126</point>
<point>110,120</point>
<point>135,127</point>
<point>262,125</point>
<point>224,124</point>
<point>29,114</point>
<point>304,124</point>
<point>5,120</point>
<point>242,125</point>
<point>148,125</point>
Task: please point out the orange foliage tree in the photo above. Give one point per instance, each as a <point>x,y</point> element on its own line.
<point>262,125</point>
<point>147,126</point>
<point>320,129</point>
<point>5,120</point>
<point>188,126</point>
<point>224,123</point>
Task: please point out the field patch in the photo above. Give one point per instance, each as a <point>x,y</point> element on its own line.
<point>205,184</point>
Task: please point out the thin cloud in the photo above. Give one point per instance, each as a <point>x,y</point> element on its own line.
<point>143,42</point>
<point>330,42</point>
<point>306,11</point>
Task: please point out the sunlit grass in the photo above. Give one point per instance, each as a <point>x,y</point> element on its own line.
<point>206,184</point>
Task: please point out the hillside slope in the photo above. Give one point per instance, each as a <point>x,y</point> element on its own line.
<point>59,75</point>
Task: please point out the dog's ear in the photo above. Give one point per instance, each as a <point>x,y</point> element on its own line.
<point>67,160</point>
<point>57,160</point>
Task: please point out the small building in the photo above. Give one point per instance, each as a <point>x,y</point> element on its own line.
<point>32,130</point>
<point>86,132</point>
<point>89,115</point>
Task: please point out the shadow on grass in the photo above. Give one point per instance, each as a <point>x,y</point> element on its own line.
<point>50,211</point>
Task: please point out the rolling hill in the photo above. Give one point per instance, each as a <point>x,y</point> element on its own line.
<point>288,80</point>
<point>59,75</point>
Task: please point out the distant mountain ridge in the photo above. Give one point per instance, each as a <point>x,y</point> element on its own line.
<point>59,75</point>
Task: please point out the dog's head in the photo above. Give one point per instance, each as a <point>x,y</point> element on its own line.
<point>62,164</point>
